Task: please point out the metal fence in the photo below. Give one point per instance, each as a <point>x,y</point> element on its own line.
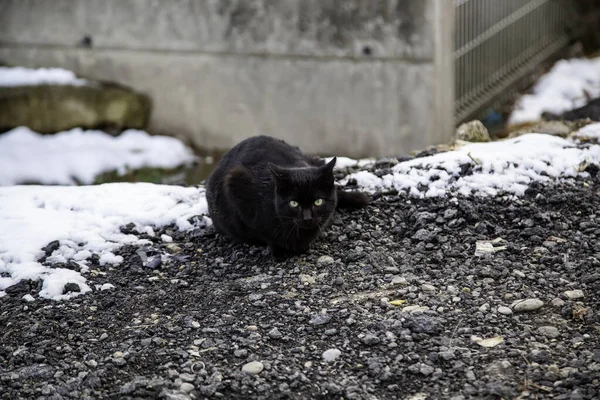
<point>499,43</point>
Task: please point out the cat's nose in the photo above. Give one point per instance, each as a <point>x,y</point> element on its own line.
<point>306,215</point>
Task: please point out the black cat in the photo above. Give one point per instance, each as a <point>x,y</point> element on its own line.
<point>266,192</point>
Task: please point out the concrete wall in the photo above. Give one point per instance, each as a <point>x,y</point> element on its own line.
<point>349,77</point>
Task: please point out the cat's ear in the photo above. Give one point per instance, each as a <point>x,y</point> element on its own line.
<point>327,169</point>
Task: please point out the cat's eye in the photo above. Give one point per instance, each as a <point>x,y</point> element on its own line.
<point>293,203</point>
<point>318,202</point>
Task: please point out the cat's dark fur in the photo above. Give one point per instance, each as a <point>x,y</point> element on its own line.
<point>263,192</point>
<point>590,110</point>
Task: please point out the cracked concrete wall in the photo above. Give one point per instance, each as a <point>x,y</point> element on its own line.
<point>348,77</point>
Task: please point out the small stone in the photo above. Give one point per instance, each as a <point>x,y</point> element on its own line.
<point>428,288</point>
<point>320,319</point>
<point>484,307</point>
<point>473,131</point>
<point>371,339</point>
<point>528,305</point>
<point>71,288</point>
<point>275,334</point>
<point>155,263</point>
<point>331,355</point>
<point>92,363</point>
<point>518,273</point>
<point>173,248</point>
<point>186,387</point>
<point>549,331</point>
<point>241,353</point>
<point>118,354</point>
<point>325,260</point>
<point>574,294</point>
<point>253,367</point>
<point>252,328</point>
<point>119,362</point>
<point>166,238</point>
<point>505,310</point>
<point>50,247</point>
<point>426,370</point>
<point>339,281</point>
<point>307,279</point>
<point>557,302</point>
<point>195,324</point>
<point>415,309</point>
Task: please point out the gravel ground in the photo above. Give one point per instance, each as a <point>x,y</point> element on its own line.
<point>391,303</point>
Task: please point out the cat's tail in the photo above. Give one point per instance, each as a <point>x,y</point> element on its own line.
<point>352,199</point>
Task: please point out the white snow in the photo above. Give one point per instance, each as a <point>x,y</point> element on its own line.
<point>78,156</point>
<point>86,220</point>
<point>568,85</point>
<point>507,166</point>
<point>345,162</point>
<point>588,132</point>
<point>21,76</point>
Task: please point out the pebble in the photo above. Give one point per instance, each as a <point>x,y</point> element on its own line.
<point>275,334</point>
<point>241,353</point>
<point>92,363</point>
<point>505,310</point>
<point>519,273</point>
<point>484,307</point>
<point>320,319</point>
<point>415,309</point>
<point>331,355</point>
<point>528,305</point>
<point>426,369</point>
<point>252,328</point>
<point>104,336</point>
<point>253,367</point>
<point>339,281</point>
<point>304,278</point>
<point>186,387</point>
<point>428,288</point>
<point>549,331</point>
<point>325,260</point>
<point>557,302</point>
<point>118,354</point>
<point>371,339</point>
<point>195,324</point>
<point>574,294</point>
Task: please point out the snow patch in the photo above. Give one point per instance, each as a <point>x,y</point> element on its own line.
<point>85,220</point>
<point>79,156</point>
<point>568,85</point>
<point>21,76</point>
<point>508,166</point>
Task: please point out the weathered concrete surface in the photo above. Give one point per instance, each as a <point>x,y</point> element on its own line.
<point>54,108</point>
<point>346,77</point>
<point>391,28</point>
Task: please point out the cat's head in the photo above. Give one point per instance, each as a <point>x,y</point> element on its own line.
<point>305,196</point>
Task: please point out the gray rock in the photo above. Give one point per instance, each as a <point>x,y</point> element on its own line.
<point>186,387</point>
<point>505,310</point>
<point>331,355</point>
<point>549,331</point>
<point>574,294</point>
<point>370,339</point>
<point>325,260</point>
<point>320,319</point>
<point>473,131</point>
<point>557,302</point>
<point>253,367</point>
<point>528,305</point>
<point>275,334</point>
